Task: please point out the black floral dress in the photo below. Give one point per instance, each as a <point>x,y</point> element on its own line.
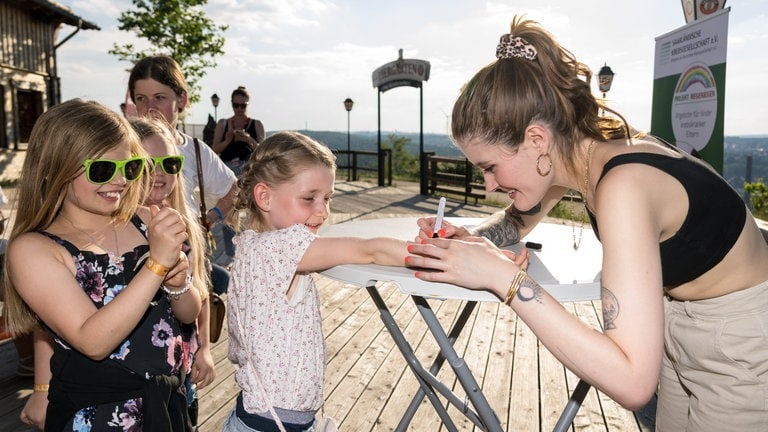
<point>108,395</point>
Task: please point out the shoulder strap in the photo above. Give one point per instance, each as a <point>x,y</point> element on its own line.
<point>203,212</point>
<point>200,178</point>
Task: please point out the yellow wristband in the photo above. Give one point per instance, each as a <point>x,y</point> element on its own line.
<point>40,388</point>
<point>156,268</point>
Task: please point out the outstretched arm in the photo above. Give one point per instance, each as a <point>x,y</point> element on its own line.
<point>327,252</point>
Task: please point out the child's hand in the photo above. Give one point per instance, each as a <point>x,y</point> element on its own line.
<point>203,370</point>
<point>176,278</point>
<point>166,233</point>
<point>34,410</point>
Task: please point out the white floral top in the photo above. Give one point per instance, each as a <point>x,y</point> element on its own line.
<point>283,337</point>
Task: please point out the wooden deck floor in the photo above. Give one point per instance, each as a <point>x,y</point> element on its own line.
<point>368,385</point>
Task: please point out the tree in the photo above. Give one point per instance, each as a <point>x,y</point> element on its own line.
<point>405,164</point>
<point>758,197</point>
<point>178,28</point>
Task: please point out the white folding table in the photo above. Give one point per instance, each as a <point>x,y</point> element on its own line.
<point>567,274</point>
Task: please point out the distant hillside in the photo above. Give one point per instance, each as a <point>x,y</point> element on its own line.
<point>737,148</point>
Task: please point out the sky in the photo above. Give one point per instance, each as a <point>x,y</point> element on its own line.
<point>300,59</point>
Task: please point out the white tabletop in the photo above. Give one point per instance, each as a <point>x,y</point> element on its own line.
<point>567,274</point>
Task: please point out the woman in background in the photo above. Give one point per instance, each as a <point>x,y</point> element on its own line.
<point>236,137</point>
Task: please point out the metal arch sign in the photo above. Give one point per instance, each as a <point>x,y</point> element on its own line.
<point>401,72</point>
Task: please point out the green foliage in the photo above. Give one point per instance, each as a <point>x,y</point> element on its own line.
<point>178,28</point>
<point>758,198</point>
<point>570,208</point>
<point>405,165</point>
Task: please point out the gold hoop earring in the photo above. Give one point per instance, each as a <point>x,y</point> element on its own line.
<point>538,161</point>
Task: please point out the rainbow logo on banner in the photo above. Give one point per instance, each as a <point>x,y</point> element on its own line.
<point>697,74</point>
<point>694,107</point>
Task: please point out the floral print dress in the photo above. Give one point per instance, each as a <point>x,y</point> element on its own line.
<point>155,347</point>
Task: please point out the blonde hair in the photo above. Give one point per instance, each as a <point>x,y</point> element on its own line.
<point>61,140</point>
<point>505,97</point>
<point>273,162</point>
<point>148,127</point>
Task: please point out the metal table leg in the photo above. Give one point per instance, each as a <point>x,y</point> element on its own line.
<point>487,416</point>
<point>466,311</point>
<point>572,407</point>
<point>410,358</point>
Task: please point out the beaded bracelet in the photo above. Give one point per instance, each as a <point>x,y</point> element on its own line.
<point>40,388</point>
<point>514,286</point>
<point>174,295</point>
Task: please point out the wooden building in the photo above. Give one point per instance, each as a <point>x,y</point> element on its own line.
<point>30,34</point>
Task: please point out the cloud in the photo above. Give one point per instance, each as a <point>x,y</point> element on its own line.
<point>301,58</point>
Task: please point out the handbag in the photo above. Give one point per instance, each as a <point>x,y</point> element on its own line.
<point>216,302</point>
<point>218,309</point>
<point>323,424</point>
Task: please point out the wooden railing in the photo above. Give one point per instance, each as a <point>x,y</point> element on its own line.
<point>452,175</point>
<point>360,161</point>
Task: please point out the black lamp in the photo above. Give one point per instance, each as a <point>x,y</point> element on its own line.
<point>605,79</point>
<point>348,106</point>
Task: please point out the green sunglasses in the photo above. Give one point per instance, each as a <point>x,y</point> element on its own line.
<point>170,165</point>
<point>100,171</point>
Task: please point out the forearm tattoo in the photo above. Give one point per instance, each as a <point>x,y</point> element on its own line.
<point>502,228</point>
<point>610,308</point>
<point>529,290</point>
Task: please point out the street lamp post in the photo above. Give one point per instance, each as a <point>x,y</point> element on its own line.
<point>348,106</point>
<point>604,80</point>
<point>215,102</point>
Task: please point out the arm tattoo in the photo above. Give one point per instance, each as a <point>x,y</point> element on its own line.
<point>610,308</point>
<point>529,290</point>
<point>502,228</point>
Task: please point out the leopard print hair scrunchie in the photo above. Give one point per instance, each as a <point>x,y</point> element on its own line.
<point>514,46</point>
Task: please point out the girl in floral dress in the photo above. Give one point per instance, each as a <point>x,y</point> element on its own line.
<point>285,190</point>
<point>106,278</point>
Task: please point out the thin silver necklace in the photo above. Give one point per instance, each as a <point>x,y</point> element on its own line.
<point>113,257</point>
<point>586,173</point>
<point>577,243</point>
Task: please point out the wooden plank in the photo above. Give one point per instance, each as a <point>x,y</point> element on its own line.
<point>15,392</point>
<point>497,379</point>
<point>357,359</point>
<point>218,399</point>
<point>553,392</point>
<point>363,394</point>
<point>425,348</point>
<point>524,399</point>
<point>590,414</point>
